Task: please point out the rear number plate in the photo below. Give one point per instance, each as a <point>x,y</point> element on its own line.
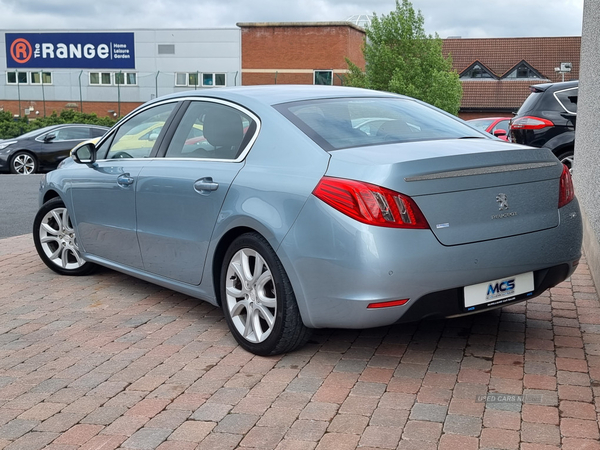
<point>497,292</point>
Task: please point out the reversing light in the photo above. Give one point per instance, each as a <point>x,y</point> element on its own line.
<point>370,204</point>
<point>387,304</point>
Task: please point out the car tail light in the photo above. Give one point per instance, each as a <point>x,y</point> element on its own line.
<point>370,204</point>
<point>567,192</point>
<point>530,123</point>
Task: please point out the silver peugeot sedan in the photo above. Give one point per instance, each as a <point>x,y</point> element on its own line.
<point>302,207</point>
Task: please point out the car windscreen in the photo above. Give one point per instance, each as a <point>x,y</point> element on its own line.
<point>357,122</point>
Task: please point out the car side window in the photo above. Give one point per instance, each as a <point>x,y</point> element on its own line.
<point>211,130</point>
<point>71,133</point>
<point>502,125</point>
<point>97,132</point>
<point>137,137</point>
<point>568,99</point>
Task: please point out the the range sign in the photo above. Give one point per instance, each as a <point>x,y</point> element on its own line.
<point>70,50</point>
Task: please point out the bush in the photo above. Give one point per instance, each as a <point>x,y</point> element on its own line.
<point>11,127</point>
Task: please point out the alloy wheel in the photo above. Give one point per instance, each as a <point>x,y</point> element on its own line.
<point>250,295</point>
<point>58,241</point>
<point>23,164</point>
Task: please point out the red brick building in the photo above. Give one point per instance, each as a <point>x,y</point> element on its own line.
<point>497,72</point>
<point>299,53</point>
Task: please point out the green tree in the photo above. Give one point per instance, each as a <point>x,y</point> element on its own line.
<point>401,58</point>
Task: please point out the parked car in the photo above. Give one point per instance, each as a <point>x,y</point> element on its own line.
<point>497,126</point>
<point>547,118</point>
<point>43,149</point>
<point>290,217</point>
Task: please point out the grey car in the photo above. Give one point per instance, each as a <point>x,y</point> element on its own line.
<point>302,207</point>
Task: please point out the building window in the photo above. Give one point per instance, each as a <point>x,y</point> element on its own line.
<point>100,78</point>
<point>523,71</point>
<point>213,79</point>
<point>109,78</point>
<point>28,77</point>
<point>126,78</point>
<point>196,79</point>
<point>323,77</point>
<point>41,77</point>
<point>181,79</point>
<point>477,71</point>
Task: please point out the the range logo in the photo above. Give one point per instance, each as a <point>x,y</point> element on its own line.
<point>20,50</point>
<point>70,50</point>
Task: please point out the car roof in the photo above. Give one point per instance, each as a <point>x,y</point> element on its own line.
<point>281,93</point>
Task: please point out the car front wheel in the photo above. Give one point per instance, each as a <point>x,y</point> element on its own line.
<point>258,300</point>
<point>23,163</point>
<point>55,240</point>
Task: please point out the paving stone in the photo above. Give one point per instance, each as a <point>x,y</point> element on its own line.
<point>428,412</point>
<point>463,425</point>
<point>147,439</point>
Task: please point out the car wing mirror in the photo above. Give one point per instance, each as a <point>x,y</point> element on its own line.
<point>84,154</point>
<point>49,137</point>
<point>499,133</point>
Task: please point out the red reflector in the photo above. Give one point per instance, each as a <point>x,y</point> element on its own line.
<point>388,304</point>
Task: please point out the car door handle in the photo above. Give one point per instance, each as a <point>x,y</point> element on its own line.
<point>205,185</point>
<point>125,180</point>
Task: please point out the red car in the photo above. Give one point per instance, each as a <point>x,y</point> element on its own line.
<point>498,126</point>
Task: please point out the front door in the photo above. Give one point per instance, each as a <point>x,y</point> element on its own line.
<point>104,201</point>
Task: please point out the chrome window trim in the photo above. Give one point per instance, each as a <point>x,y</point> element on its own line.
<point>560,103</point>
<point>230,104</point>
<point>39,138</point>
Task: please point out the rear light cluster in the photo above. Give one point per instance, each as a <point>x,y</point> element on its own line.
<point>530,123</point>
<point>370,204</point>
<point>567,192</point>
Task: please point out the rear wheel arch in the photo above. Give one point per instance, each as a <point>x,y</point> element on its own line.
<point>219,255</point>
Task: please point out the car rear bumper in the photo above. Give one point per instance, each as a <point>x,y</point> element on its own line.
<point>338,266</point>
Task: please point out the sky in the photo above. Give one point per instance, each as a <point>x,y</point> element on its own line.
<point>465,18</point>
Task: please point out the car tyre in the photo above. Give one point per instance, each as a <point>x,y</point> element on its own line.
<point>23,163</point>
<point>55,240</point>
<point>258,300</point>
<point>567,159</point>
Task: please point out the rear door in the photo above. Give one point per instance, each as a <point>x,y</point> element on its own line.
<point>179,197</point>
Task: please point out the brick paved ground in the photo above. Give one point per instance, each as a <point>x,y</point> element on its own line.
<point>107,361</point>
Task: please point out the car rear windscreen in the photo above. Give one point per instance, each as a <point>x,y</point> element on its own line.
<point>357,122</point>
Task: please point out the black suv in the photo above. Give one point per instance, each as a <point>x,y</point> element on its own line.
<point>547,119</point>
